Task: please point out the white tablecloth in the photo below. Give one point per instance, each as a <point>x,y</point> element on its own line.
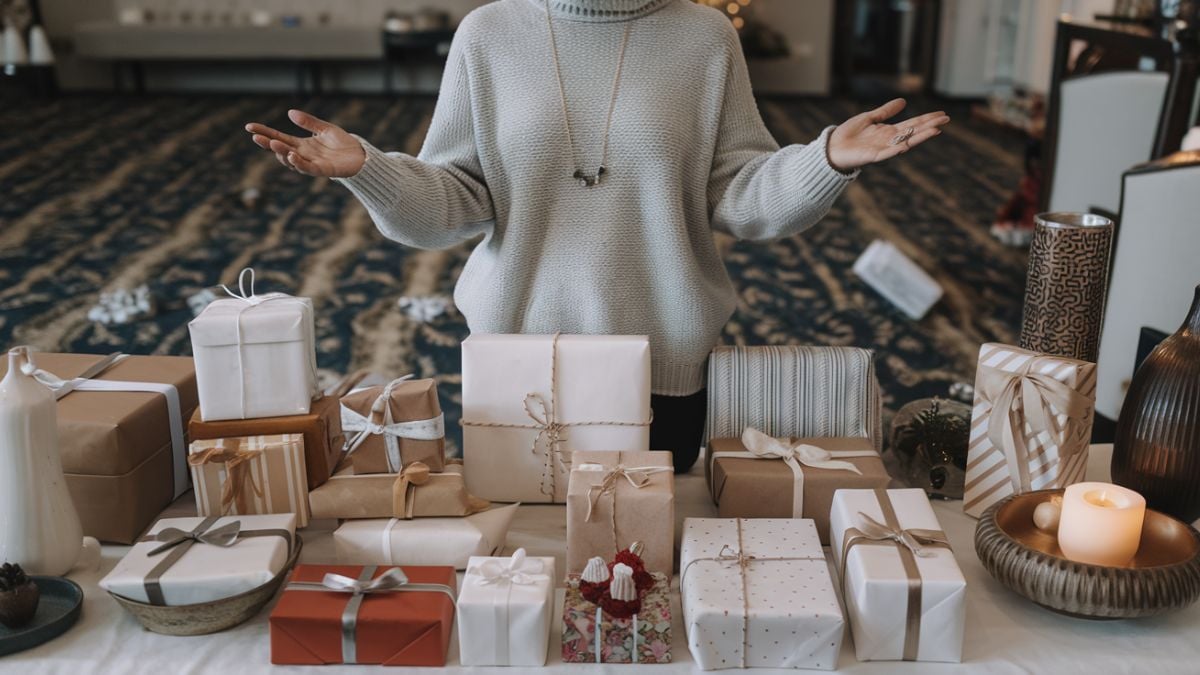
<point>1004,634</point>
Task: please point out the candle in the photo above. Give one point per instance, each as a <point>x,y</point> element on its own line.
<point>1101,524</point>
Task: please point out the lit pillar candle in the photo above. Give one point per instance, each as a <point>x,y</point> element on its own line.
<point>1101,524</point>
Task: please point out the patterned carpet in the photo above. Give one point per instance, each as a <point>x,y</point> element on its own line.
<point>103,192</point>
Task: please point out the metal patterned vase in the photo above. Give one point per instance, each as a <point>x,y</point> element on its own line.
<point>1157,447</point>
<point>1067,285</point>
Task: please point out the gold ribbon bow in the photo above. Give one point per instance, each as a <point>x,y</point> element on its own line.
<point>911,544</point>
<point>404,490</point>
<point>1026,396</point>
<point>238,471</point>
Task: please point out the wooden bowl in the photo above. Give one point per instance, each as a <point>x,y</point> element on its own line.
<point>214,616</point>
<point>1164,575</point>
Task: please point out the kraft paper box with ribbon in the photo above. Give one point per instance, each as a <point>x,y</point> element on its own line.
<point>904,592</point>
<point>122,435</point>
<point>251,475</point>
<point>756,593</point>
<point>794,391</point>
<point>391,616</point>
<point>185,561</point>
<point>505,608</point>
<point>591,635</point>
<point>423,541</point>
<point>1030,426</point>
<point>529,401</point>
<point>255,354</point>
<point>321,429</point>
<point>759,476</point>
<point>415,492</point>
<point>391,426</point>
<point>616,498</point>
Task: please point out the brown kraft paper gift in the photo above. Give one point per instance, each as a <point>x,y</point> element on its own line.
<point>321,428</point>
<point>645,514</point>
<point>414,493</point>
<point>116,445</point>
<point>763,488</point>
<point>410,402</point>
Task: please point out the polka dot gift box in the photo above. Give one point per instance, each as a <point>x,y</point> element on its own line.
<point>757,594</point>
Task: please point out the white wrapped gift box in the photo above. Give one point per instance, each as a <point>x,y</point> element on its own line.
<point>255,357</point>
<point>205,571</point>
<point>877,580</point>
<point>505,609</point>
<point>514,410</point>
<point>423,541</point>
<point>793,618</point>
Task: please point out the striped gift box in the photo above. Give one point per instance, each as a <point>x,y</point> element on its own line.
<point>1055,457</point>
<point>792,391</point>
<point>268,473</point>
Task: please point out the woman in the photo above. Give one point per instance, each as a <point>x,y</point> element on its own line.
<point>596,145</point>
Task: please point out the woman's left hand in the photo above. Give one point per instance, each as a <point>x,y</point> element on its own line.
<point>868,138</point>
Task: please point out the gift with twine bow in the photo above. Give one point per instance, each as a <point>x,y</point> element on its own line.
<point>391,426</point>
<point>173,565</point>
<point>747,584</point>
<point>252,475</point>
<point>1030,426</point>
<point>504,611</point>
<point>398,616</point>
<point>759,476</point>
<point>615,497</point>
<point>904,592</point>
<point>415,492</point>
<point>529,401</point>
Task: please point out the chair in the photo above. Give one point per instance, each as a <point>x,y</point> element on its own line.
<point>1154,269</point>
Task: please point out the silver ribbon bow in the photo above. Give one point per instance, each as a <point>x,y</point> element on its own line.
<point>224,536</point>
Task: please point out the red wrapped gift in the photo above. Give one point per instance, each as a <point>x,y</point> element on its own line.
<point>391,616</point>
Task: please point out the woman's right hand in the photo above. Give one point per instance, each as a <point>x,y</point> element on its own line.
<point>330,151</point>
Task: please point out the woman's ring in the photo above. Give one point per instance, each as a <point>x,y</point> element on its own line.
<point>903,136</point>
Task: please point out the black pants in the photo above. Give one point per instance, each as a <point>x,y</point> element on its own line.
<point>678,426</point>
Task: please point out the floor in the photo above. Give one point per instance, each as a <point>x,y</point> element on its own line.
<point>105,192</point>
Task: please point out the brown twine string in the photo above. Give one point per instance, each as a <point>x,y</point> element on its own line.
<point>547,425</point>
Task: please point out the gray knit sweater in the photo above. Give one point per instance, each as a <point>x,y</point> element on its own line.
<point>688,154</point>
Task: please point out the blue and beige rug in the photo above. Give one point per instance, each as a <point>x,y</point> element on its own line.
<point>102,192</point>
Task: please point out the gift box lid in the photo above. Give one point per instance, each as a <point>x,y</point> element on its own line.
<point>110,433</point>
<point>232,321</point>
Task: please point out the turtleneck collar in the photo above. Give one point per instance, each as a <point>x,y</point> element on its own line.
<point>601,10</point>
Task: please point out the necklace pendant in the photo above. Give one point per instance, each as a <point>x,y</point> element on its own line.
<point>589,181</point>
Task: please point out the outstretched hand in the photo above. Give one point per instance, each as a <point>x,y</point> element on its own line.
<point>868,138</point>
<point>330,151</point>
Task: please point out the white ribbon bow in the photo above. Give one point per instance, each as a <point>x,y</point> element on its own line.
<point>517,569</point>
<point>761,446</point>
<point>365,426</point>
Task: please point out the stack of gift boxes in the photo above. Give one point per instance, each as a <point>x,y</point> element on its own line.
<point>792,466</point>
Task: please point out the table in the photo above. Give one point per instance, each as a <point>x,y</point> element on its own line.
<point>1005,633</point>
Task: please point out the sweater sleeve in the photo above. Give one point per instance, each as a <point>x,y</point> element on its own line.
<point>439,198</point>
<point>756,190</point>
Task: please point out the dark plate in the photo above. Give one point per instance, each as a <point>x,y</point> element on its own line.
<point>58,609</point>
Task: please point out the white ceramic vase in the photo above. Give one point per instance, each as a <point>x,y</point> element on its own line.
<point>39,527</point>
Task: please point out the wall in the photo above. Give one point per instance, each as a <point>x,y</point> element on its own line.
<point>808,27</point>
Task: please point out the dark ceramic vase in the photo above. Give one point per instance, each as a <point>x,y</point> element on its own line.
<point>1157,448</point>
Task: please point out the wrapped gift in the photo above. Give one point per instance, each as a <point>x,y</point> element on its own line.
<point>906,601</point>
<point>423,541</point>
<point>413,493</point>
<point>1030,426</point>
<point>391,616</point>
<point>121,435</point>
<point>321,429</point>
<point>186,561</point>
<point>255,355</point>
<point>759,476</point>
<point>590,635</point>
<point>757,594</point>
<point>251,475</point>
<point>391,426</point>
<point>616,498</point>
<point>798,392</point>
<point>531,400</point>
<point>505,608</point>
